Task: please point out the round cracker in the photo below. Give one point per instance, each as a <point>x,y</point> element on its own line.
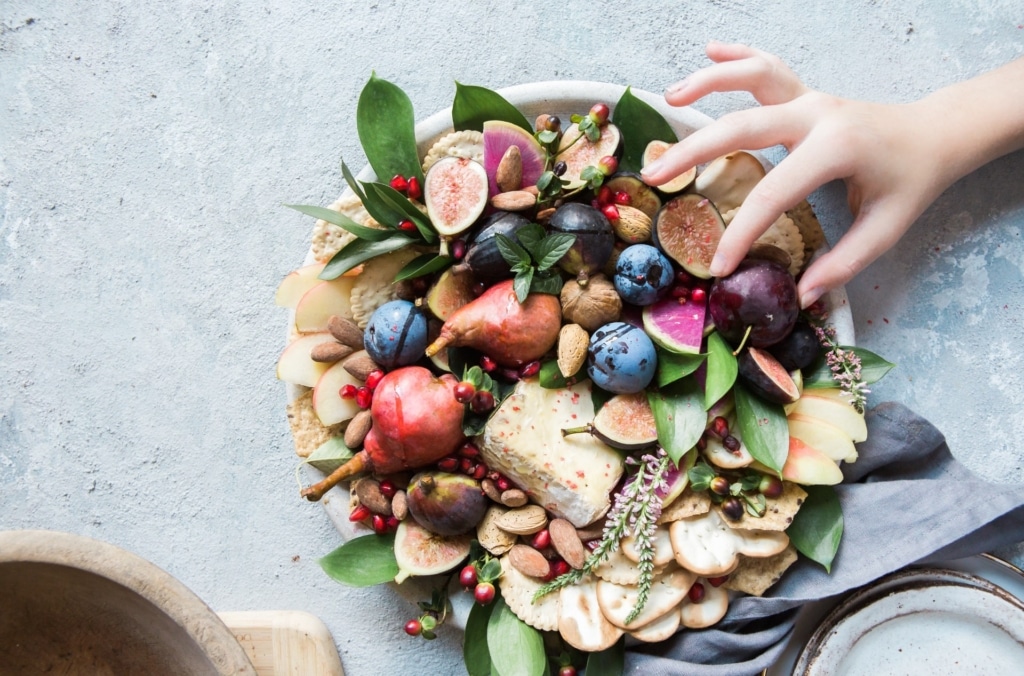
<point>659,630</point>
<point>663,554</point>
<point>618,569</point>
<point>518,590</point>
<point>463,144</point>
<point>580,620</point>
<point>375,285</point>
<point>618,601</point>
<point>709,611</point>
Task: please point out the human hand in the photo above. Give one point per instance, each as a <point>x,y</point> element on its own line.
<point>887,155</point>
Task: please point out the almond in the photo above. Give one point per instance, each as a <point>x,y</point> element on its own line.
<point>346,332</point>
<point>490,490</point>
<point>359,364</point>
<point>544,215</point>
<point>632,226</point>
<point>357,429</point>
<point>590,533</point>
<point>573,342</point>
<point>513,200</point>
<point>532,189</point>
<point>400,506</point>
<point>509,175</point>
<point>329,352</point>
<point>567,543</point>
<point>523,520</point>
<point>369,494</point>
<point>491,537</point>
<point>514,497</point>
<point>528,561</point>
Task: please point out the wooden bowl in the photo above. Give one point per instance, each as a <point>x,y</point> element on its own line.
<point>73,605</point>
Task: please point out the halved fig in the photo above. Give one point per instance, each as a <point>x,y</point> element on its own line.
<point>455,192</point>
<point>641,195</point>
<point>450,292</point>
<point>580,153</point>
<point>626,422</point>
<point>728,180</point>
<point>688,229</point>
<point>498,138</point>
<point>766,377</point>
<point>656,149</point>
<point>420,552</point>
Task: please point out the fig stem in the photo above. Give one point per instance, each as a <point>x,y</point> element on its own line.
<point>743,342</point>
<point>359,462</point>
<point>442,249</point>
<point>589,428</point>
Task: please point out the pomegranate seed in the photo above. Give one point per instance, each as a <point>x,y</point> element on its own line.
<point>373,379</point>
<point>698,295</point>
<point>414,191</point>
<point>624,198</point>
<point>464,392</point>
<point>468,450</point>
<point>399,183</point>
<point>530,370</point>
<point>696,593</point>
<point>348,391</point>
<point>379,524</point>
<point>388,489</point>
<point>596,204</point>
<point>392,524</point>
<point>720,427</point>
<point>449,464</point>
<point>503,484</point>
<point>480,472</point>
<point>605,195</point>
<point>702,443</point>
<point>459,249</point>
<point>467,576</point>
<point>493,476</point>
<point>561,568</point>
<point>407,226</point>
<point>359,513</point>
<point>680,292</point>
<point>683,277</point>
<point>487,364</point>
<point>466,466</point>
<point>717,581</point>
<point>541,539</point>
<point>413,628</point>
<point>731,443</point>
<point>364,397</point>
<point>610,212</point>
<point>483,593</point>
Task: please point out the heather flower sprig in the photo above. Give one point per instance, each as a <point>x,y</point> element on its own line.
<point>845,366</point>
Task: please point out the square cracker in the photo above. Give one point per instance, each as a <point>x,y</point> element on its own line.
<point>307,430</point>
<point>689,503</point>
<point>778,515</point>
<point>755,576</point>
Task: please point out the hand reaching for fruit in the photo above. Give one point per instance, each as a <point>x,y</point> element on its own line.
<point>895,158</point>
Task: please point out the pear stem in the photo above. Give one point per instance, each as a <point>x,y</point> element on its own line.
<point>359,462</point>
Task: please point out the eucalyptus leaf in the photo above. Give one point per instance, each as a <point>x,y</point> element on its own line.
<point>673,365</point>
<point>640,124</point>
<point>387,130</point>
<point>474,645</point>
<point>608,662</point>
<point>363,561</point>
<point>872,369</point>
<point>763,428</point>
<point>342,221</point>
<point>329,455</point>
<point>359,251</point>
<point>423,265</point>
<point>722,370</point>
<point>678,416</point>
<point>516,648</point>
<point>817,528</point>
<point>474,105</point>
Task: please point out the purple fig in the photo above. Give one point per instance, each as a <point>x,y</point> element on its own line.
<point>444,503</point>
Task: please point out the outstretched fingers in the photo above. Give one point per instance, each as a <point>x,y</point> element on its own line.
<point>739,68</point>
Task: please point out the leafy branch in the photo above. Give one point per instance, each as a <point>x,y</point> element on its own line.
<point>533,259</point>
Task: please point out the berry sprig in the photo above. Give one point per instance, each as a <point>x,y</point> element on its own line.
<point>736,491</point>
<point>475,390</point>
<point>435,612</point>
<point>480,576</point>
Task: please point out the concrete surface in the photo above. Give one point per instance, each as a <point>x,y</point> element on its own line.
<point>146,149</point>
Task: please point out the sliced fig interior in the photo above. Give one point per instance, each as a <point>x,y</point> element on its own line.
<point>455,192</point>
<point>641,195</point>
<point>656,149</point>
<point>688,229</point>
<point>580,153</point>
<point>767,377</point>
<point>626,422</point>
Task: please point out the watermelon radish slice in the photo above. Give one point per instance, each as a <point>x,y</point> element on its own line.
<point>455,192</point>
<point>498,137</point>
<point>677,327</point>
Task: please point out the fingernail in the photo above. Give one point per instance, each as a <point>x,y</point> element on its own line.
<point>809,296</point>
<point>678,87</point>
<point>651,169</point>
<point>717,266</point>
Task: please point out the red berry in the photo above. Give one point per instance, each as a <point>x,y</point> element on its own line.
<point>541,539</point>
<point>458,249</point>
<point>596,204</point>
<point>480,472</point>
<point>719,485</point>
<point>388,489</point>
<point>683,277</point>
<point>392,523</point>
<point>604,196</point>
<point>698,295</point>
<point>487,364</point>
<point>610,212</point>
<point>373,378</point>
<point>483,593</point>
<point>483,401</point>
<point>348,391</point>
<point>731,443</point>
<point>567,670</point>
<point>406,226</point>
<point>696,593</point>
<point>449,464</point>
<point>464,392</point>
<point>622,197</point>
<point>717,581</point>
<point>364,397</point>
<point>720,427</point>
<point>359,513</point>
<point>478,289</point>
<point>399,183</point>
<point>466,466</point>
<point>770,487</point>
<point>599,113</point>
<point>413,628</point>
<point>530,370</point>
<point>469,450</point>
<point>414,190</point>
<point>467,576</point>
<point>681,292</point>
<point>560,568</point>
<point>608,164</point>
<point>379,524</point>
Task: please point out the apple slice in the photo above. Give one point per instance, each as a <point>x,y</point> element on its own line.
<point>295,366</point>
<point>808,466</point>
<point>296,283</point>
<point>823,436</point>
<point>835,412</point>
<point>328,403</point>
<point>323,301</point>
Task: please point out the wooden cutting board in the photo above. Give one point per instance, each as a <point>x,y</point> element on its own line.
<point>285,642</point>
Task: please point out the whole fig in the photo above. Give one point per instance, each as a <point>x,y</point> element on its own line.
<point>444,503</point>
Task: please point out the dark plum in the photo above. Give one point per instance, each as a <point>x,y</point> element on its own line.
<point>642,274</point>
<point>482,256</point>
<point>760,295</point>
<point>799,349</point>
<point>595,238</point>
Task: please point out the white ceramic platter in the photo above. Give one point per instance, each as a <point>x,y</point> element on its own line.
<point>561,98</point>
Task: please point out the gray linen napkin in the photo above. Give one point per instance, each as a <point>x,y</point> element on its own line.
<point>906,500</point>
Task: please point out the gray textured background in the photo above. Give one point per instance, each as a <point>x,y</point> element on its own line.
<point>146,148</point>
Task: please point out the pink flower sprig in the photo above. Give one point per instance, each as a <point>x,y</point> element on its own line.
<point>844,365</point>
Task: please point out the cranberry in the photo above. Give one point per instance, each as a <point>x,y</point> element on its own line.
<point>364,397</point>
<point>483,593</point>
<point>414,191</point>
<point>610,212</point>
<point>541,539</point>
<point>770,486</point>
<point>348,391</point>
<point>719,485</point>
<point>717,581</point>
<point>696,593</point>
<point>529,370</point>
<point>413,627</point>
<point>467,576</point>
<point>399,183</point>
<point>622,197</point>
<point>482,402</point>
<point>406,226</point>
<point>359,513</point>
<point>373,378</point>
<point>464,392</point>
<point>599,113</point>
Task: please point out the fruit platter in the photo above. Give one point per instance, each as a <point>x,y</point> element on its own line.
<point>524,401</point>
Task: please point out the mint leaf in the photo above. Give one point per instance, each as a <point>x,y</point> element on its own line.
<point>552,248</point>
<point>546,281</point>
<point>511,251</point>
<point>531,236</point>
<point>522,284</point>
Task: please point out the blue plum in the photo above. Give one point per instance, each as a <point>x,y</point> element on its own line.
<point>642,274</point>
<point>621,358</point>
<point>396,334</point>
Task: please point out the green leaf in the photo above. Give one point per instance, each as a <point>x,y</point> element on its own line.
<point>329,455</point>
<point>608,662</point>
<point>763,428</point>
<point>386,126</point>
<point>516,648</point>
<point>342,221</point>
<point>531,236</point>
<point>353,184</point>
<point>546,281</point>
<point>511,251</point>
<point>872,369</point>
<point>678,416</point>
<point>552,248</point>
<point>640,124</point>
<point>398,204</point>
<point>673,365</point>
<point>359,251</point>
<point>700,476</point>
<point>422,265</point>
<point>474,644</point>
<point>474,105</point>
<point>550,376</point>
<point>363,561</point>
<point>521,284</point>
<point>722,369</point>
<point>818,527</point>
